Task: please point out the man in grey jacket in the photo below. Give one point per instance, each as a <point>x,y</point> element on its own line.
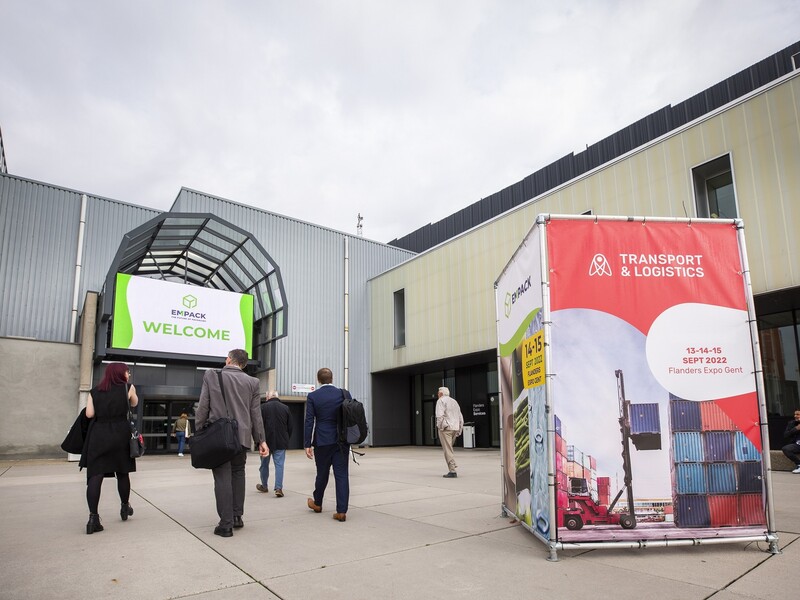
<point>241,397</point>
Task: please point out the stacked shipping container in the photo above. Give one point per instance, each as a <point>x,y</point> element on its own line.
<point>716,470</point>
<point>562,479</point>
<point>572,463</point>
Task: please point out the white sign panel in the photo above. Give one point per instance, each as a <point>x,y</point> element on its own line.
<point>303,388</point>
<point>161,316</point>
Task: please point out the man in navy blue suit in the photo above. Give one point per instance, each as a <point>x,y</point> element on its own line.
<point>321,441</point>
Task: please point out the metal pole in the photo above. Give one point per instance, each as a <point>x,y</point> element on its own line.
<point>346,375</point>
<point>541,222</point>
<point>78,265</point>
<point>766,462</point>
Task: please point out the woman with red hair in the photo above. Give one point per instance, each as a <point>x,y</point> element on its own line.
<point>107,450</point>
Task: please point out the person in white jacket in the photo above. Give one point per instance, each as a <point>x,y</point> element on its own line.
<point>450,424</point>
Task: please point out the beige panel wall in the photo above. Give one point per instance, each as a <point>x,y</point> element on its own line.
<point>37,417</point>
<point>449,291</point>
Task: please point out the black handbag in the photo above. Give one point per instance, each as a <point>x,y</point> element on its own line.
<point>217,442</point>
<point>136,443</point>
<point>76,435</point>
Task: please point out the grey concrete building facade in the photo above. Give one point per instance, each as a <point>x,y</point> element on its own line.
<point>58,246</point>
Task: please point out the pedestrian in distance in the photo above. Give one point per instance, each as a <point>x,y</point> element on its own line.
<point>242,400</point>
<point>106,451</point>
<point>277,429</point>
<point>321,442</point>
<point>450,424</point>
<point>181,430</point>
<point>792,435</point>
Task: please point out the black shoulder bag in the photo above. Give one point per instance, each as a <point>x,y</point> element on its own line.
<point>217,442</point>
<point>136,443</point>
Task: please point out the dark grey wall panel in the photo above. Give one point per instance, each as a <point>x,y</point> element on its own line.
<point>38,245</point>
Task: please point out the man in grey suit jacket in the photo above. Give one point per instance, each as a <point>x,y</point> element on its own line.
<point>241,393</point>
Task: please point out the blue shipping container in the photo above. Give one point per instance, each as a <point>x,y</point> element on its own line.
<point>744,449</point>
<point>644,418</point>
<point>557,422</point>
<point>687,446</point>
<point>748,475</point>
<point>685,416</point>
<point>690,478</point>
<point>718,446</point>
<point>692,511</point>
<point>721,478</point>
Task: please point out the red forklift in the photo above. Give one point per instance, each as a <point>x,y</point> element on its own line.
<point>582,509</point>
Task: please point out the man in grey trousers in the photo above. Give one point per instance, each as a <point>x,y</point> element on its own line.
<point>241,397</point>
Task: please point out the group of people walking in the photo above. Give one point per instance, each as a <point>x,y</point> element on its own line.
<point>268,425</point>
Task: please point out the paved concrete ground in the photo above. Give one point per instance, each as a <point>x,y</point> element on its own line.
<point>409,534</point>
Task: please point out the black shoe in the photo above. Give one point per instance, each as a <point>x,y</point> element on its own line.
<point>93,524</point>
<point>450,474</point>
<point>237,522</point>
<point>125,511</point>
<point>223,531</point>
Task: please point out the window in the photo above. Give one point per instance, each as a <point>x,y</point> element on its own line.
<point>399,318</point>
<point>713,189</point>
<point>778,335</point>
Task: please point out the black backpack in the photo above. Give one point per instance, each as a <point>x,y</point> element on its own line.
<point>353,428</point>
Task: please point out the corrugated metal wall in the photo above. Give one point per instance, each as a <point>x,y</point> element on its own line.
<point>367,259</point>
<point>37,258</point>
<point>39,248</point>
<point>311,259</point>
<point>106,222</point>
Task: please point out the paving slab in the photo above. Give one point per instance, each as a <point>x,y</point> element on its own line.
<point>409,534</point>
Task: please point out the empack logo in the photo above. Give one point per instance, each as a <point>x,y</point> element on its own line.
<point>599,266</point>
<point>512,297</point>
<point>190,302</point>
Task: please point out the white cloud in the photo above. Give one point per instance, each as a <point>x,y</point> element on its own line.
<point>405,112</point>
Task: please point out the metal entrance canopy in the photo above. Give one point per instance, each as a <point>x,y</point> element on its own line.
<point>202,249</point>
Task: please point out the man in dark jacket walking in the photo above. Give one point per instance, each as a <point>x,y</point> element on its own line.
<point>792,435</point>
<point>321,441</point>
<point>278,429</point>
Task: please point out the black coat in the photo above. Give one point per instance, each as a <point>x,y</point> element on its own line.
<point>76,437</point>
<point>792,434</point>
<point>277,424</point>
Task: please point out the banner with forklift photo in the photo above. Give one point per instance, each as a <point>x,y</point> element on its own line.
<point>650,401</point>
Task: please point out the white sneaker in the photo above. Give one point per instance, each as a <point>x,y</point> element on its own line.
<point>797,470</point>
<point>180,453</point>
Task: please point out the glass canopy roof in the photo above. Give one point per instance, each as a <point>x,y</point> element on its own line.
<point>202,249</point>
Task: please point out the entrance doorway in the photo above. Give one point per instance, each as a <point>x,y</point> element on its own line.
<point>158,417</point>
<point>430,435</point>
<point>474,387</point>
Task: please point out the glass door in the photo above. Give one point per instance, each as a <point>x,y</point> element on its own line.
<point>158,417</point>
<point>430,435</point>
<point>154,426</point>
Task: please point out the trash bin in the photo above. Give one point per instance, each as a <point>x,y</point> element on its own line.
<point>469,435</point>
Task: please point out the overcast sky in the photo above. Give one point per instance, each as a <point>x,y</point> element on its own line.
<point>403,111</point>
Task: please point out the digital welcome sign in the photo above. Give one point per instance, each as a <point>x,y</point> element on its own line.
<point>173,318</point>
